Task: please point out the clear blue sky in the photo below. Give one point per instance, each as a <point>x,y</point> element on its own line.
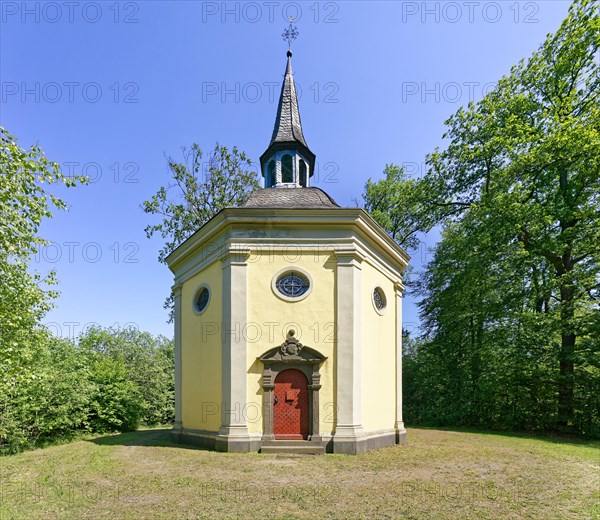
<point>107,89</point>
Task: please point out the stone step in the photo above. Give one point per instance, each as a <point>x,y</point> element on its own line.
<point>289,449</point>
<point>280,442</point>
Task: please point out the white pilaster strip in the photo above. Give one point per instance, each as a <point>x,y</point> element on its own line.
<point>399,425</point>
<point>234,356</point>
<point>177,347</point>
<point>349,297</point>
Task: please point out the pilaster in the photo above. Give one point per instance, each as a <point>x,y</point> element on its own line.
<point>399,424</point>
<point>233,434</point>
<point>349,430</point>
<point>176,289</point>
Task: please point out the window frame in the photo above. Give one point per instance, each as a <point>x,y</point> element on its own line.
<point>290,270</point>
<point>283,171</point>
<point>199,289</point>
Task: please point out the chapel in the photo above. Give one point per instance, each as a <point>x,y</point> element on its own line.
<point>288,316</point>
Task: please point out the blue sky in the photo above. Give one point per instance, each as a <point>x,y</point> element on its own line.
<point>108,88</point>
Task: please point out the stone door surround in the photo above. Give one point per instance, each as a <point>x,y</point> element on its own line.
<point>291,354</point>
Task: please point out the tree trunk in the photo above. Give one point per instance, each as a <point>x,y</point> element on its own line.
<point>566,358</point>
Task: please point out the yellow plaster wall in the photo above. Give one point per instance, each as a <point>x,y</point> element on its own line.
<point>269,319</point>
<point>201,353</point>
<point>378,353</point>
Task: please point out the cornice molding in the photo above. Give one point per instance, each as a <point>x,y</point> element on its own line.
<point>349,257</point>
<point>286,217</point>
<point>231,237</point>
<point>234,256</point>
<point>399,288</point>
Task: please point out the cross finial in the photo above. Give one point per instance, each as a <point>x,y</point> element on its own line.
<point>290,33</point>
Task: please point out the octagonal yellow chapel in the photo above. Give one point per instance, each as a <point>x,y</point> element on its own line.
<point>288,316</point>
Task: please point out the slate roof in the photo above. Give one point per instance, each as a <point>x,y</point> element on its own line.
<point>291,198</point>
<point>287,123</point>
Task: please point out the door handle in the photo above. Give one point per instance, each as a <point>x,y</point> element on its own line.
<point>276,399</point>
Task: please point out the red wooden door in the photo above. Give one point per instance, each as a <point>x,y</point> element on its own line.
<point>290,406</point>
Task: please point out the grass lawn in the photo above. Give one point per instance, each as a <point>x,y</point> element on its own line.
<point>437,474</point>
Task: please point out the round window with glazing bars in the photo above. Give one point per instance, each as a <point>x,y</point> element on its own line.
<point>379,300</point>
<point>292,284</point>
<point>201,299</point>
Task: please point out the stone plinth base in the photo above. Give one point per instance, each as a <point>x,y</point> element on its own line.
<point>347,443</point>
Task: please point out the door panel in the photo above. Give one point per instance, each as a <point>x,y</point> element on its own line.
<point>290,406</point>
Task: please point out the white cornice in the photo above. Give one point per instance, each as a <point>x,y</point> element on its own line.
<point>295,217</point>
<point>252,229</point>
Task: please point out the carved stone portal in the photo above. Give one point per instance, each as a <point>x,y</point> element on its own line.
<point>291,346</point>
<point>291,354</point>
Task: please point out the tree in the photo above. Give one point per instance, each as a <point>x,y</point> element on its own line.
<point>521,173</point>
<point>397,203</point>
<point>25,297</point>
<point>142,367</point>
<point>52,388</point>
<point>227,182</point>
<point>24,203</point>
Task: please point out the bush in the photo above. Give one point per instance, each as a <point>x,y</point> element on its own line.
<point>107,381</point>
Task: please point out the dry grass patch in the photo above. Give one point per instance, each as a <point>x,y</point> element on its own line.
<point>437,474</point>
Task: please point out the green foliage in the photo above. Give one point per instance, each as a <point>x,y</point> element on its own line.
<point>144,363</point>
<point>510,301</point>
<point>45,399</point>
<point>33,384</point>
<point>24,202</point>
<point>51,388</point>
<point>396,202</point>
<point>108,381</point>
<point>201,192</point>
<point>116,403</point>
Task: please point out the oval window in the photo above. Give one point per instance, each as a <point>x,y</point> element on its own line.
<point>201,299</point>
<point>292,284</point>
<point>379,300</point>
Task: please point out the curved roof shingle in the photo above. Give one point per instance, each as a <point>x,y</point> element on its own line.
<point>288,127</point>
<point>313,198</point>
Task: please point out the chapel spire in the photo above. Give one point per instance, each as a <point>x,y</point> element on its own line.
<point>288,162</point>
<point>288,127</point>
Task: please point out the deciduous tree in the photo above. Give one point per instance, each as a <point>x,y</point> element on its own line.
<point>520,176</point>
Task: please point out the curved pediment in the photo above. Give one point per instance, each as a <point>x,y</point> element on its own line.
<point>291,350</point>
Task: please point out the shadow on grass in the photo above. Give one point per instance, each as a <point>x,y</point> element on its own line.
<point>162,438</point>
<point>154,438</point>
<point>548,437</point>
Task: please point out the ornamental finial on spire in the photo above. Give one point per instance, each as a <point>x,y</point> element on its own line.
<point>290,34</point>
<point>288,162</point>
